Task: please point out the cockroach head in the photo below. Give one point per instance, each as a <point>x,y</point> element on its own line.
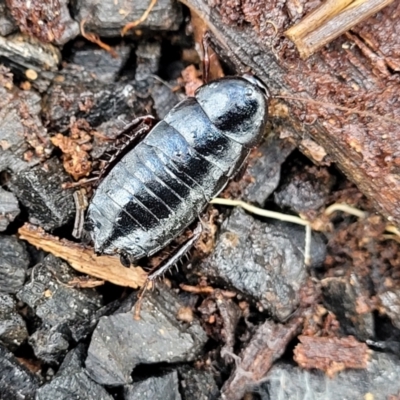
<point>237,106</point>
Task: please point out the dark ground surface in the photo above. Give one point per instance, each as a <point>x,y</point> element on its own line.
<point>245,317</point>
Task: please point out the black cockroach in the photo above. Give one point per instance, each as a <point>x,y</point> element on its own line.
<point>158,187</point>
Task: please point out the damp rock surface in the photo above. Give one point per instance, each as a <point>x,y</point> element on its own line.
<point>197,384</point>
<point>120,342</point>
<point>381,379</point>
<point>108,18</point>
<point>72,382</point>
<point>40,190</point>
<point>12,326</point>
<point>14,262</point>
<point>9,208</point>
<point>259,260</point>
<point>165,387</point>
<point>16,381</point>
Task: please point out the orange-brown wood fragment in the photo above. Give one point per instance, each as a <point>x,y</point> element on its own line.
<point>83,259</point>
<point>331,354</point>
<point>330,20</point>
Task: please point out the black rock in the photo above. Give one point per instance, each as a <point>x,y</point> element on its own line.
<point>79,94</point>
<point>24,53</point>
<point>69,28</point>
<point>101,63</point>
<point>265,169</point>
<point>341,296</point>
<point>9,208</point>
<point>147,60</point>
<point>305,190</point>
<point>7,24</point>
<point>49,344</point>
<point>164,387</point>
<point>14,262</point>
<point>380,380</point>
<point>260,260</point>
<point>196,384</point>
<point>120,342</point>
<point>24,140</point>
<point>72,382</point>
<point>164,99</point>
<point>12,326</point>
<point>390,303</point>
<point>40,190</point>
<point>16,381</point>
<point>107,18</point>
<point>55,301</point>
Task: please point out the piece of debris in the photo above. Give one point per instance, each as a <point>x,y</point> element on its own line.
<point>267,344</point>
<point>16,381</point>
<point>331,354</point>
<point>83,259</point>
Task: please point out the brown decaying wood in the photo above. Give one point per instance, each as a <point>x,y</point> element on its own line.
<point>266,346</point>
<point>311,34</point>
<point>83,259</point>
<point>352,74</point>
<point>331,354</point>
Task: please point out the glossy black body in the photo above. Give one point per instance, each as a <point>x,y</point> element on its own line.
<point>159,187</point>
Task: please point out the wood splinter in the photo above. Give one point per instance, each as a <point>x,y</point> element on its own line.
<point>330,20</point>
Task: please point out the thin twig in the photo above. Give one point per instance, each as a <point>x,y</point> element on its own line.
<point>94,38</point>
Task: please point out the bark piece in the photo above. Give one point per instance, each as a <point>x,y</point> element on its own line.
<point>349,72</point>
<point>331,354</point>
<point>72,381</point>
<point>390,304</point>
<point>266,346</point>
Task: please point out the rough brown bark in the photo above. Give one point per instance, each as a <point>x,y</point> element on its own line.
<point>359,70</point>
